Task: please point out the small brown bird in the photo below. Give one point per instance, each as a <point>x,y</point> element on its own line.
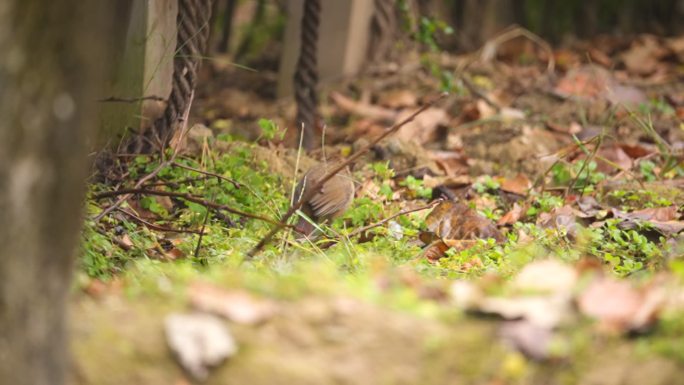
<point>332,200</point>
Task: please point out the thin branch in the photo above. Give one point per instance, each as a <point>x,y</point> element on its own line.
<point>152,225</point>
<point>490,47</point>
<point>233,181</point>
<point>156,171</point>
<point>400,213</point>
<point>175,183</point>
<point>585,164</point>
<point>188,197</point>
<point>132,100</point>
<point>473,90</point>
<point>317,186</point>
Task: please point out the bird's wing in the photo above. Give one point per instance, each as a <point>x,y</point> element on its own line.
<point>334,197</point>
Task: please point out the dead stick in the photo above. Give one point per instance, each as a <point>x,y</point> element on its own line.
<point>234,182</point>
<point>153,226</point>
<point>317,187</point>
<point>156,171</point>
<point>188,197</point>
<point>400,213</point>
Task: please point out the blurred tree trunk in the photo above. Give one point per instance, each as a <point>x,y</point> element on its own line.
<point>54,55</point>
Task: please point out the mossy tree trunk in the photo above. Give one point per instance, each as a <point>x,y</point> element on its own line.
<point>53,57</point>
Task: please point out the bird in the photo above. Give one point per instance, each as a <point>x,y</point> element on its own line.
<point>331,201</point>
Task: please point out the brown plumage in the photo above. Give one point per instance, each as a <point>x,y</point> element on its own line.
<point>332,200</point>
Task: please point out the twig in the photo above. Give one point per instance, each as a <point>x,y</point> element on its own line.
<point>234,182</point>
<point>490,47</point>
<point>156,171</point>
<point>317,186</point>
<point>201,235</point>
<point>586,162</point>
<point>473,89</point>
<point>188,197</point>
<point>153,226</point>
<point>400,213</point>
<point>131,100</point>
<point>174,183</point>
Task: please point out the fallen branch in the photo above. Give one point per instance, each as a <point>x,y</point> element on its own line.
<point>232,181</point>
<point>398,214</point>
<point>473,90</point>
<point>329,241</point>
<point>175,183</point>
<point>488,51</point>
<point>152,225</point>
<point>156,171</point>
<point>132,100</point>
<point>188,197</point>
<point>317,187</point>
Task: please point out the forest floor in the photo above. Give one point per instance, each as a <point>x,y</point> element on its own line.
<point>526,229</point>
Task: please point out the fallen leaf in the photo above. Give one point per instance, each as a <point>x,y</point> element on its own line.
<point>563,218</point>
<point>662,219</point>
<point>398,99</point>
<point>125,241</point>
<point>447,181</point>
<point>618,306</point>
<point>588,82</point>
<point>652,214</point>
<point>512,216</point>
<point>236,305</point>
<point>643,56</point>
<point>590,207</point>
<point>437,249</point>
<point>456,221</point>
<point>611,159</point>
<point>423,128</point>
<point>519,185</point>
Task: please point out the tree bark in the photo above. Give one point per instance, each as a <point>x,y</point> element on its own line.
<point>53,61</point>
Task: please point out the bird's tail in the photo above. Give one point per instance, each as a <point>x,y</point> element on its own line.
<point>303,228</point>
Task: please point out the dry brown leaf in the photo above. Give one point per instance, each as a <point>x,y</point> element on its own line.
<point>519,184</point>
<point>613,158</point>
<point>653,214</point>
<point>236,305</point>
<point>663,219</point>
<point>643,56</point>
<point>587,82</point>
<point>599,57</point>
<point>423,128</point>
<point>450,220</point>
<point>125,241</point>
<point>398,99</point>
<point>618,306</point>
<point>512,216</point>
<point>447,181</point>
<point>561,218</point>
<point>437,249</point>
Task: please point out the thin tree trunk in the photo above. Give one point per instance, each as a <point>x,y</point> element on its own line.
<point>53,59</point>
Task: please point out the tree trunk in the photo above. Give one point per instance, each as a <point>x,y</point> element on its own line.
<point>53,61</point>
